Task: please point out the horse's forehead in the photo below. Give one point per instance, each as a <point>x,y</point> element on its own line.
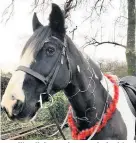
<point>34,45</point>
<point>27,59</point>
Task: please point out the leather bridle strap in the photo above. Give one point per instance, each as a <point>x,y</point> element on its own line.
<point>33,73</point>
<point>52,79</point>
<point>55,70</point>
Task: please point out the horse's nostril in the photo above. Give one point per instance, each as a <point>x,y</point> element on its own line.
<point>17,107</point>
<point>37,105</point>
<point>3,109</point>
<point>13,97</point>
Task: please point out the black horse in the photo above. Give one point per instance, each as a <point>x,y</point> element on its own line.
<point>50,62</point>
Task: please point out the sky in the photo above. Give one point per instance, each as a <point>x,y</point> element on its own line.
<point>18,29</point>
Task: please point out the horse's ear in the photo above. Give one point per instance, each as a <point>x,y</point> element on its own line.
<point>35,22</point>
<point>57,20</point>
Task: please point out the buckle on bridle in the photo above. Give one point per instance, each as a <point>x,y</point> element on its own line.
<point>41,102</point>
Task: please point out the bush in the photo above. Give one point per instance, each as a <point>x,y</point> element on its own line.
<point>114,67</point>
<point>59,108</point>
<point>5,77</point>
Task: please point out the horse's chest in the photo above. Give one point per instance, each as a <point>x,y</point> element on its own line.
<point>115,129</point>
<point>126,115</point>
<point>122,123</point>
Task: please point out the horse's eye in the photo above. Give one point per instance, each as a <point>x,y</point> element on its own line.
<point>50,51</point>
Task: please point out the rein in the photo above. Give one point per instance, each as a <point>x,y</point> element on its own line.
<point>81,135</point>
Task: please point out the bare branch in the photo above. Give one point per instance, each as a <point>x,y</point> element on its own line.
<point>9,10</point>
<point>6,12</point>
<point>36,3</point>
<point>96,43</point>
<point>41,5</point>
<point>99,5</point>
<point>69,4</point>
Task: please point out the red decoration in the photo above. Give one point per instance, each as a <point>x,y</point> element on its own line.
<point>81,135</point>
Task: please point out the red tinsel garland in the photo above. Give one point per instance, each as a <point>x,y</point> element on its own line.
<point>81,135</point>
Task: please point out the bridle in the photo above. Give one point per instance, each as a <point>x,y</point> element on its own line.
<point>49,80</point>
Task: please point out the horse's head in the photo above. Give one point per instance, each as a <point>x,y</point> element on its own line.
<point>44,68</point>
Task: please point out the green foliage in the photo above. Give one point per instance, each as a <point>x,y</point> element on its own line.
<point>114,67</point>
<point>5,77</point>
<point>59,108</point>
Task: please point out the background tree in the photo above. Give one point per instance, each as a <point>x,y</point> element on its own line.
<point>126,19</point>
<point>131,29</point>
<point>131,49</point>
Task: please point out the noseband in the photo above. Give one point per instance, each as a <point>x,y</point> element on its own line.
<point>49,80</point>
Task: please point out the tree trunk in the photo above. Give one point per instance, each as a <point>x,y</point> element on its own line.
<point>131,49</point>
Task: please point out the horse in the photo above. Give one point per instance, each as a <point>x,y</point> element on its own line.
<point>50,62</point>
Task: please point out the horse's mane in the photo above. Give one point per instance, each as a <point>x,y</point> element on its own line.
<point>82,58</point>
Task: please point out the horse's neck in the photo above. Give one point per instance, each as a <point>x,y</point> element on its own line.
<point>87,97</point>
<point>85,92</point>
